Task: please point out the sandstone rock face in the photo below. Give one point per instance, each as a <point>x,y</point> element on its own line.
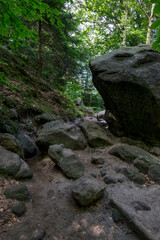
<point>128,81</point>
<point>69,163</point>
<point>59,132</point>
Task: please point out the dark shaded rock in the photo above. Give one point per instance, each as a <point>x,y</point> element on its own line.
<point>139,205</point>
<point>93,175</point>
<point>59,132</point>
<point>18,192</point>
<point>117,169</point>
<point>19,209</point>
<point>97,160</point>
<point>109,180</point>
<point>128,81</point>
<point>44,118</point>
<point>129,153</point>
<point>87,190</point>
<point>154,172</point>
<point>142,164</point>
<point>28,145</point>
<point>38,234</point>
<point>68,162</point>
<point>134,175</point>
<point>96,135</point>
<point>116,216</point>
<point>12,165</point>
<point>11,143</point>
<point>103,173</point>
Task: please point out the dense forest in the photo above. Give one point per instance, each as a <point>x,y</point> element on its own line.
<point>57,39</point>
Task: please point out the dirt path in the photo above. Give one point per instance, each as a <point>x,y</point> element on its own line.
<point>53,210</point>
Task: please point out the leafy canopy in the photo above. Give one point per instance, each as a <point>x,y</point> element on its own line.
<point>15,15</point>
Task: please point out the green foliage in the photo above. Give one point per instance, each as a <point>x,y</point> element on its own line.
<point>14,16</point>
<point>156,25</point>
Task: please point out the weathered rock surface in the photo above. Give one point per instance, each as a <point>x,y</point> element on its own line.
<point>12,165</point>
<point>129,153</point>
<point>87,189</point>
<point>28,145</point>
<point>97,160</point>
<point>18,192</point>
<point>95,134</point>
<point>154,172</point>
<point>128,81</point>
<point>69,163</point>
<point>43,118</point>
<point>11,143</point>
<point>134,175</point>
<point>59,132</point>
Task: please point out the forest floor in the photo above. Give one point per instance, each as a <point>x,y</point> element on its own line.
<point>52,210</point>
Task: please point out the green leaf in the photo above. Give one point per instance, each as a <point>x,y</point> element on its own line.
<point>56,12</point>
<point>157,9</point>
<point>155,24</point>
<point>154,1</point>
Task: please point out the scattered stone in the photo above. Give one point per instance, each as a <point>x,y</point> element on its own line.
<point>129,153</point>
<point>18,192</point>
<point>97,160</point>
<point>38,234</point>
<point>128,81</point>
<point>28,145</point>
<point>116,216</point>
<point>140,206</point>
<point>134,175</point>
<point>118,169</point>
<point>101,115</point>
<point>93,175</point>
<point>103,173</point>
<point>154,172</point>
<point>44,118</point>
<point>87,190</point>
<point>19,209</point>
<point>109,180</point>
<point>95,134</point>
<point>68,162</point>
<point>59,132</point>
<point>12,165</point>
<point>11,143</point>
<point>121,180</point>
<point>79,101</point>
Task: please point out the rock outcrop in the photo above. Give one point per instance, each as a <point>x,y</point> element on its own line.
<point>128,81</point>
<point>59,132</point>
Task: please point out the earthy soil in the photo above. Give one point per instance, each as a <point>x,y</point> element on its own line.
<point>53,209</point>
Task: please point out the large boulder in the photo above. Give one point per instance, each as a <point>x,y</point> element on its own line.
<point>59,132</point>
<point>68,162</point>
<point>128,81</point>
<point>95,134</point>
<point>87,190</point>
<point>12,165</point>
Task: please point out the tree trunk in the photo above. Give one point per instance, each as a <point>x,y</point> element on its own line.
<point>40,60</point>
<point>125,25</point>
<point>149,31</point>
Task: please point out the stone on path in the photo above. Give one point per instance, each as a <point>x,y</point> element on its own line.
<point>87,190</point>
<point>60,132</point>
<point>134,175</point>
<point>18,192</point>
<point>96,135</point>
<point>69,163</point>
<point>19,209</point>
